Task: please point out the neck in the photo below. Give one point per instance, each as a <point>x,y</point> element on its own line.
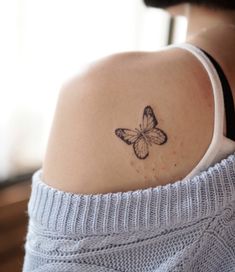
<point>213,31</point>
<point>202,18</point>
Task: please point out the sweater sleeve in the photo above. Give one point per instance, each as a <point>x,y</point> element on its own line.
<point>185,226</point>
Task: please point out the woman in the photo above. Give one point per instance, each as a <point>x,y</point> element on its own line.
<point>139,171</point>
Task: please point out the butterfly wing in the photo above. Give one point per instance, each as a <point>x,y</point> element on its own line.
<point>149,119</point>
<point>127,135</point>
<point>141,148</point>
<point>156,136</point>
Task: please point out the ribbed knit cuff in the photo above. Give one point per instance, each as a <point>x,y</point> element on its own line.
<point>181,202</point>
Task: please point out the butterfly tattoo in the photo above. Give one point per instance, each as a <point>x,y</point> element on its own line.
<point>145,136</point>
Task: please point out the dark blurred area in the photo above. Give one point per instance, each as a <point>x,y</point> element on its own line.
<point>13,222</point>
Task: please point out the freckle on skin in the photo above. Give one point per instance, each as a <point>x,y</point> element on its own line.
<point>132,163</point>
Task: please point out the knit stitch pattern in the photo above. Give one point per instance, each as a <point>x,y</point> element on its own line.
<point>185,226</point>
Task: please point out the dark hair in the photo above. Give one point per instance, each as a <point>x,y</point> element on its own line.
<point>216,4</point>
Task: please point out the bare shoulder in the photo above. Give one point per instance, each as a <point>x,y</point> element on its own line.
<point>130,121</point>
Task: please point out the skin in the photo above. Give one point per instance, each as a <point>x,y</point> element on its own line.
<point>214,31</point>
<point>83,153</point>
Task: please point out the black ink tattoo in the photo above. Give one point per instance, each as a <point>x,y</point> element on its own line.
<point>145,136</point>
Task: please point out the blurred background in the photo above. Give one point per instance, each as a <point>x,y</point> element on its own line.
<point>42,44</point>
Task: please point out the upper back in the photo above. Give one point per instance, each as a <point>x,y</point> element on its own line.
<point>85,155</point>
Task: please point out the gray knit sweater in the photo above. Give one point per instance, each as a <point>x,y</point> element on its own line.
<point>185,226</point>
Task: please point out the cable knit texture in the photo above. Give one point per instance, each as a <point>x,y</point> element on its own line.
<point>185,226</point>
